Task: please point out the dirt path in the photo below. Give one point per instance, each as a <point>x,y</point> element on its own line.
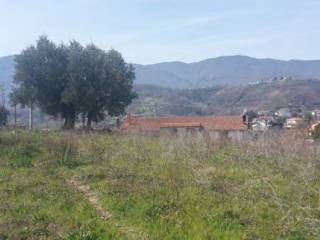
<point>130,231</point>
<point>91,196</point>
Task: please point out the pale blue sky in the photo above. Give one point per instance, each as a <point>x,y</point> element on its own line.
<point>149,31</point>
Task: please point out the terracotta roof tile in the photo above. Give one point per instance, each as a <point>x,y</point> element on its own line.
<point>180,125</point>
<point>208,122</point>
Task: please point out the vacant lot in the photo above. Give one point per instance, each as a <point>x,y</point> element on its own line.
<point>97,186</point>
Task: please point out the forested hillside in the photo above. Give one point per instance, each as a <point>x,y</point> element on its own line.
<point>226,100</point>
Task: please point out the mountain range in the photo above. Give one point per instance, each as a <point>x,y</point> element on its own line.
<point>228,70</point>
<point>6,73</point>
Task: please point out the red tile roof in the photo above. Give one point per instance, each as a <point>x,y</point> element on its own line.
<point>180,125</point>
<point>207,122</point>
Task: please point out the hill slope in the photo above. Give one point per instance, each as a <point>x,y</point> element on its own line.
<point>226,100</point>
<point>233,70</point>
<point>6,72</point>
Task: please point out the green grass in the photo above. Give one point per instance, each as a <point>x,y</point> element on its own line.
<point>157,188</point>
<point>35,202</point>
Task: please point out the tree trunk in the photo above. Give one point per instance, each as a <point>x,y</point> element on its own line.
<point>69,120</point>
<point>65,124</point>
<point>89,127</point>
<point>83,120</point>
<point>69,123</point>
<point>31,117</point>
<point>89,121</point>
<point>15,116</point>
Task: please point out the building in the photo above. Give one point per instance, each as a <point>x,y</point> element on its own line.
<point>284,113</point>
<point>181,129</point>
<point>215,127</point>
<point>262,123</point>
<point>315,130</point>
<point>316,114</point>
<point>314,126</point>
<point>264,113</point>
<point>294,123</point>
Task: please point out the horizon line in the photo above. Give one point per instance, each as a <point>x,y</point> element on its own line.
<point>209,58</point>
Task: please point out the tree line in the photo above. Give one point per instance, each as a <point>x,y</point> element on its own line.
<point>72,81</point>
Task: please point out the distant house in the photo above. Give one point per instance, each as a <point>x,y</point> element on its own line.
<point>314,126</point>
<point>315,130</point>
<point>284,113</point>
<point>294,123</point>
<point>216,127</point>
<point>316,114</point>
<point>264,113</point>
<point>262,123</point>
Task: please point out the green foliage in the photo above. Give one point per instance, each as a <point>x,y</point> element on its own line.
<point>100,82</point>
<point>250,115</point>
<point>68,80</point>
<point>35,202</point>
<point>4,114</point>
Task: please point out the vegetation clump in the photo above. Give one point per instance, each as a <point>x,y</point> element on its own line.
<point>71,81</point>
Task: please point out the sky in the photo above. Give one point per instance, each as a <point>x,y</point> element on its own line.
<point>151,31</point>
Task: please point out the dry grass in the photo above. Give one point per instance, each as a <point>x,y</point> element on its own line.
<point>265,187</point>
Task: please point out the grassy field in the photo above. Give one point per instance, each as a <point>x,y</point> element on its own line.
<point>266,187</point>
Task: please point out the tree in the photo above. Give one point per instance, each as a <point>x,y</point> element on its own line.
<point>121,84</point>
<point>25,96</point>
<point>41,77</point>
<point>4,113</point>
<point>71,80</point>
<point>112,87</point>
<point>100,83</point>
<point>2,95</point>
<point>80,88</point>
<point>50,80</point>
<point>14,101</point>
